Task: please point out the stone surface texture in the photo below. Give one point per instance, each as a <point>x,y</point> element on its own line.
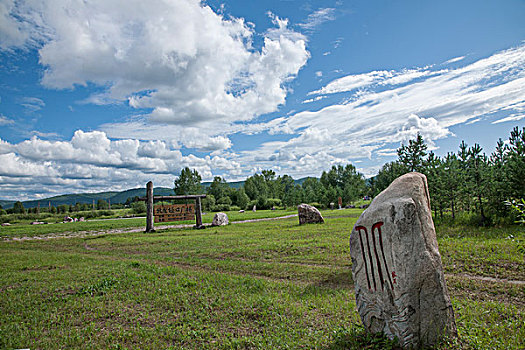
<point>396,266</point>
<point>309,215</point>
<point>220,219</point>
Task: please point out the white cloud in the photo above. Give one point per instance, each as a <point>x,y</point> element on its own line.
<point>316,98</point>
<point>510,118</point>
<point>32,104</point>
<point>371,79</point>
<point>352,82</point>
<point>5,121</point>
<point>429,129</point>
<point>186,63</point>
<point>13,32</point>
<point>207,138</point>
<point>14,166</point>
<point>455,59</point>
<point>92,161</point>
<point>317,18</point>
<point>371,124</point>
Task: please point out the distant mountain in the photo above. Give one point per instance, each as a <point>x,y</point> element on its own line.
<point>6,204</point>
<point>89,198</point>
<point>113,197</point>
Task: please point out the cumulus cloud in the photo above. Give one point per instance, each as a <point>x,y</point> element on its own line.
<point>92,161</point>
<point>429,129</point>
<point>178,58</point>
<point>206,138</point>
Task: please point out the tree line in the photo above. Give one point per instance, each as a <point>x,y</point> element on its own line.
<point>467,183</point>
<point>267,190</point>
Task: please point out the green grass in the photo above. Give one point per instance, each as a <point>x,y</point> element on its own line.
<point>24,229</point>
<point>259,285</point>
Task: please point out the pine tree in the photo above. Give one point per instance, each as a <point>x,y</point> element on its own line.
<point>413,155</point>
<point>188,182</point>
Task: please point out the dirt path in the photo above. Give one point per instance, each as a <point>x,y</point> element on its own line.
<point>485,278</point>
<point>81,234</point>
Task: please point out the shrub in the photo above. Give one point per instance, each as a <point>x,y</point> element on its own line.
<point>518,207</point>
<point>273,202</point>
<point>222,207</point>
<point>316,204</point>
<point>208,203</point>
<point>138,207</point>
<point>225,200</point>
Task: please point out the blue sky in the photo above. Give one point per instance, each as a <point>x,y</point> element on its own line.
<point>107,95</point>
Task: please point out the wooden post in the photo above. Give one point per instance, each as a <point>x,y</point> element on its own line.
<point>149,207</point>
<point>198,215</point>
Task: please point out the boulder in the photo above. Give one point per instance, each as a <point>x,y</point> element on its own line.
<point>241,211</point>
<point>254,208</point>
<point>6,224</point>
<point>396,266</point>
<point>309,215</point>
<point>37,223</point>
<point>220,219</point>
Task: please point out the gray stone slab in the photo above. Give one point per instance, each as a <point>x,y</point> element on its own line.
<point>396,266</point>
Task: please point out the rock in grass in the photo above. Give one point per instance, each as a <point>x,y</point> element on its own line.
<point>309,215</point>
<point>399,283</point>
<point>220,219</point>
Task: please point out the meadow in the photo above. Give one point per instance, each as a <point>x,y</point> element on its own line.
<point>252,285</point>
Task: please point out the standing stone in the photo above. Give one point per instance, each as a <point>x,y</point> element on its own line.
<point>396,266</point>
<point>309,215</point>
<point>220,219</point>
<point>254,208</point>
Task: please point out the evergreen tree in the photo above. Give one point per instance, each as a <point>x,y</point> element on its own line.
<point>452,180</point>
<point>515,163</point>
<point>188,182</point>
<point>413,155</point>
<point>218,188</point>
<point>478,176</point>
<point>18,208</point>
<point>388,173</point>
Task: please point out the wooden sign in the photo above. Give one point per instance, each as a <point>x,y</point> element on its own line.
<point>174,212</point>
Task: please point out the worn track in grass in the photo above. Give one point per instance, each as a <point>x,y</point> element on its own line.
<point>81,234</point>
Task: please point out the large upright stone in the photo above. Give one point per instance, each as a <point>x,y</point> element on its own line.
<point>399,283</point>
<point>309,215</point>
<point>220,219</point>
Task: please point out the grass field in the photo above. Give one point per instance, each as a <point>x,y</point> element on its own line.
<point>257,285</point>
<point>26,230</point>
